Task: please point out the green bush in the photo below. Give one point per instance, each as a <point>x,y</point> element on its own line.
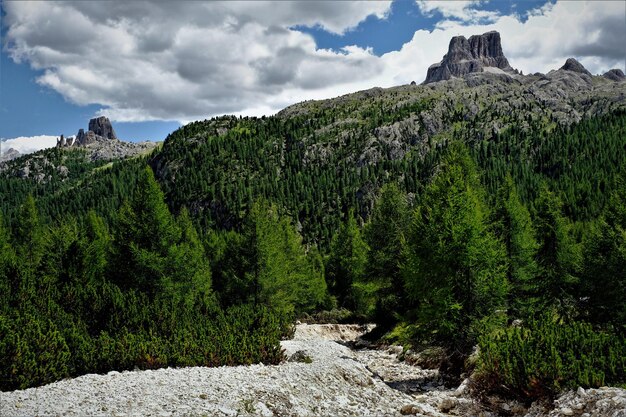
<point>36,352</point>
<point>544,357</point>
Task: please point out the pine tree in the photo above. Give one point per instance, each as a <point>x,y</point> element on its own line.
<point>285,276</point>
<point>604,277</point>
<point>385,237</point>
<point>145,231</point>
<point>455,268</point>
<point>558,255</point>
<point>345,267</point>
<point>514,227</point>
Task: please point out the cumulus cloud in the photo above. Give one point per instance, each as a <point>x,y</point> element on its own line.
<point>190,60</point>
<point>463,10</point>
<point>29,144</point>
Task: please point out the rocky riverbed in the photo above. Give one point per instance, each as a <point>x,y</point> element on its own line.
<point>322,377</point>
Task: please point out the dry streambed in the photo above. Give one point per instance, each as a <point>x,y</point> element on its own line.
<point>338,381</point>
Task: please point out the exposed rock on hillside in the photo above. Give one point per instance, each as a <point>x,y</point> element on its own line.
<point>481,53</point>
<point>100,130</point>
<point>9,154</point>
<point>614,75</point>
<point>101,126</point>
<point>572,65</point>
<point>102,143</point>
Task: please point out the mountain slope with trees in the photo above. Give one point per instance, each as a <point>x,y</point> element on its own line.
<point>445,212</point>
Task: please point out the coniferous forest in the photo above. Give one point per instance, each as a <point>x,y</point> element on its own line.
<point>207,250</point>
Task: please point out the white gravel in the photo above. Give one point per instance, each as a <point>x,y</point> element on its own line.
<point>335,383</point>
<point>338,382</point>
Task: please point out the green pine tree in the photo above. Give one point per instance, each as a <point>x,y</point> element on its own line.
<point>456,268</point>
<point>514,227</point>
<point>385,235</point>
<point>345,267</point>
<point>558,256</point>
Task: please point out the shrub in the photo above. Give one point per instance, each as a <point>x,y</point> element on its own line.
<point>544,357</point>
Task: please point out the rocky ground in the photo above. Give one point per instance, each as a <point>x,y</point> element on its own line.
<point>321,377</point>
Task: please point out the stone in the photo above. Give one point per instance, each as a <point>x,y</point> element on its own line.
<point>614,74</point>
<point>409,409</point>
<point>101,126</point>
<point>447,404</point>
<point>566,411</point>
<point>572,65</point>
<point>581,392</point>
<point>479,53</point>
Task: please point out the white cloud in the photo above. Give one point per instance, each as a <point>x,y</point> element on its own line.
<point>190,60</point>
<point>463,10</point>
<point>29,144</point>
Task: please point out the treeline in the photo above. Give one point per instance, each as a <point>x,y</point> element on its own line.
<point>147,291</point>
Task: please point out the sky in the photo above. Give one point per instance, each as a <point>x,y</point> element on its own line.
<point>152,66</point>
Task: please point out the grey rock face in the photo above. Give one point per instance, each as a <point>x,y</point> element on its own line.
<point>572,65</point>
<point>9,154</point>
<point>101,126</point>
<point>467,56</point>
<point>614,74</point>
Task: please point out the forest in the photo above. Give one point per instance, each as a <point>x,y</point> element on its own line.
<point>206,251</point>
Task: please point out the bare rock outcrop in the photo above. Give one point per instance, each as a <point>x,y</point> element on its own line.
<point>572,65</point>
<point>614,75</point>
<point>101,126</point>
<point>479,53</point>
<point>9,154</point>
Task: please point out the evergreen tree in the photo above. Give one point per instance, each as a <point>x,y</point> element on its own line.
<point>345,267</point>
<point>187,269</point>
<point>455,269</point>
<point>29,236</point>
<point>287,278</point>
<point>145,232</point>
<point>558,255</point>
<point>514,227</point>
<point>385,237</point>
<point>604,283</point>
<point>7,270</point>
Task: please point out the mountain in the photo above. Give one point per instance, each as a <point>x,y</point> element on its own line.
<point>443,211</point>
<point>9,154</point>
<point>319,159</point>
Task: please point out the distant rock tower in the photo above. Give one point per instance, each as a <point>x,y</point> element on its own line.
<point>100,129</point>
<point>101,126</point>
<point>470,55</point>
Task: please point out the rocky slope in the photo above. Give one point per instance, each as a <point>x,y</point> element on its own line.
<point>9,154</point>
<point>94,147</point>
<point>102,143</point>
<point>321,377</point>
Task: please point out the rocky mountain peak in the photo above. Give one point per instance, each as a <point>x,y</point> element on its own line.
<point>470,55</point>
<point>101,126</point>
<point>573,65</point>
<point>100,130</point>
<point>614,74</point>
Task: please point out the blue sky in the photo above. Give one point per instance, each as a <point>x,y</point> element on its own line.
<point>203,59</point>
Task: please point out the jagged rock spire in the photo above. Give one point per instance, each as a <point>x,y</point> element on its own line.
<point>466,56</point>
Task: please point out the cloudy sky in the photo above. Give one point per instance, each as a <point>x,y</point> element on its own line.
<point>152,66</point>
